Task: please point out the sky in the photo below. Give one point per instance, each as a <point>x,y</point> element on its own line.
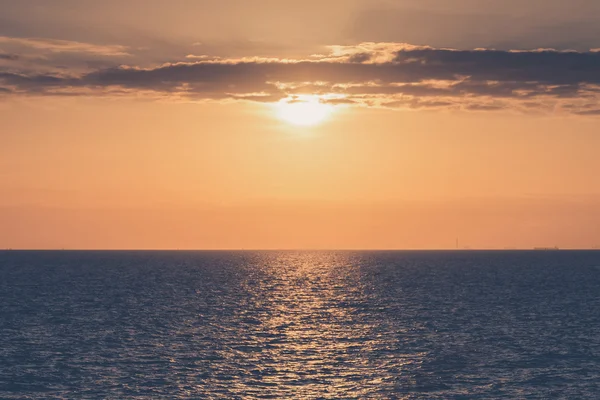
<point>270,124</point>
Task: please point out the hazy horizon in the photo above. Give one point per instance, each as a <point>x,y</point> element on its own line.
<point>307,250</point>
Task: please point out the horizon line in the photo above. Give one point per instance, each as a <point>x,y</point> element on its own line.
<point>550,249</point>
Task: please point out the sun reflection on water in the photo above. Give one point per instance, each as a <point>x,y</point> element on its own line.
<point>309,331</point>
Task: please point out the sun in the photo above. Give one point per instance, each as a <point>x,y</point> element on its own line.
<point>304,111</point>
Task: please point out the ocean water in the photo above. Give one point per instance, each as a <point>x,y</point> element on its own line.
<point>302,325</point>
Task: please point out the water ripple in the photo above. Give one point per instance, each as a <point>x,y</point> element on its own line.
<point>310,325</point>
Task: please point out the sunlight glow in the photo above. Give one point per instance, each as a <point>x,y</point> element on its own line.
<point>304,111</point>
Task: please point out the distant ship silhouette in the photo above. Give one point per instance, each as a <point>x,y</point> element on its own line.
<point>546,248</point>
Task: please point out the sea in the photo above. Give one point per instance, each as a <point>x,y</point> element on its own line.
<point>300,325</point>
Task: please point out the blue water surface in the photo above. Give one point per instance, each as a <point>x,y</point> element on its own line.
<point>306,325</point>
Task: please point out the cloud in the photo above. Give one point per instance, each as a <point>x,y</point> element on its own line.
<point>9,57</point>
<point>65,46</point>
<point>51,56</point>
<point>360,57</point>
<point>338,101</point>
<point>372,74</point>
<point>588,112</point>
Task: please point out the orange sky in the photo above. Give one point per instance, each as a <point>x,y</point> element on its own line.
<point>127,160</point>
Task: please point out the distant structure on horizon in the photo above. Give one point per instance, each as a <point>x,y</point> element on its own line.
<point>546,248</point>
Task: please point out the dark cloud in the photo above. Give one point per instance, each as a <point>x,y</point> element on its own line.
<point>419,104</point>
<point>588,112</point>
<point>35,82</point>
<point>336,102</point>
<point>359,58</point>
<point>531,69</point>
<point>544,66</point>
<point>411,76</point>
<point>9,57</point>
<point>485,107</point>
